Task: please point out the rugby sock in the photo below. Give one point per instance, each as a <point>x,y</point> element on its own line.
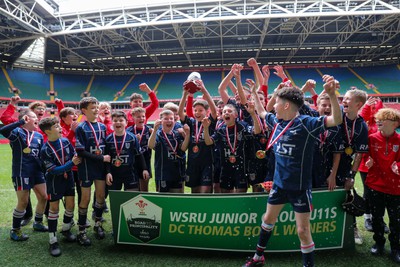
<point>52,236</point>
<point>265,234</point>
<point>98,209</point>
<point>52,221</point>
<point>82,219</point>
<point>67,220</point>
<point>17,218</point>
<point>38,217</point>
<point>307,252</point>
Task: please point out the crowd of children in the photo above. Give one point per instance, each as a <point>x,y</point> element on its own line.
<point>224,147</point>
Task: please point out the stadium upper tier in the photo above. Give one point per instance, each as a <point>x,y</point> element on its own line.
<point>39,85</point>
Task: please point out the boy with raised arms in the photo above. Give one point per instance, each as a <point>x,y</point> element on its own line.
<point>292,139</point>
<point>200,156</point>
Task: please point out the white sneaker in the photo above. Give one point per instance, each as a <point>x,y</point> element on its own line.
<point>357,237</point>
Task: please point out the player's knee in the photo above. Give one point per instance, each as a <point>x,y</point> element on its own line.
<point>303,231</point>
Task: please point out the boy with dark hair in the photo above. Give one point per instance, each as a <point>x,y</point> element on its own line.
<point>136,100</point>
<point>231,139</point>
<point>90,144</point>
<point>142,133</point>
<point>27,173</point>
<point>59,157</point>
<point>354,134</point>
<point>123,148</point>
<point>200,156</point>
<point>292,138</point>
<point>383,181</point>
<point>169,148</point>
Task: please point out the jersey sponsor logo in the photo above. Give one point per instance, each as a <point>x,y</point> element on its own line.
<point>364,147</point>
<point>285,149</point>
<point>122,158</point>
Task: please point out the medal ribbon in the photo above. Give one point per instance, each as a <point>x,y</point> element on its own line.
<point>118,150</point>
<point>233,149</point>
<point>141,134</point>
<point>322,138</point>
<point>197,132</point>
<point>169,143</point>
<point>219,124</point>
<point>96,140</point>
<point>350,137</point>
<point>272,142</point>
<point>29,137</point>
<point>62,159</point>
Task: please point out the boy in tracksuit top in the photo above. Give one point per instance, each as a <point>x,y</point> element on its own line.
<point>383,181</point>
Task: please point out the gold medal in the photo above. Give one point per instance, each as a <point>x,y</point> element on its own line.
<point>117,163</point>
<point>260,154</point>
<point>232,159</point>
<point>263,140</point>
<point>27,150</point>
<point>195,149</point>
<point>348,150</point>
<point>98,151</point>
<point>65,175</point>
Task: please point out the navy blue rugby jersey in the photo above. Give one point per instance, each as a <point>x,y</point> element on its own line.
<point>294,150</point>
<point>358,142</point>
<point>128,149</point>
<point>57,164</point>
<point>244,133</point>
<point>169,162</point>
<point>198,150</point>
<point>24,165</point>
<point>89,168</point>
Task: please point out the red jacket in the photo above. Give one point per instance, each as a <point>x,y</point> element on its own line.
<point>149,109</point>
<point>384,151</point>
<point>367,113</point>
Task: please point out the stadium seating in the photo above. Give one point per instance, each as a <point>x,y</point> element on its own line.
<point>32,84</point>
<point>69,87</point>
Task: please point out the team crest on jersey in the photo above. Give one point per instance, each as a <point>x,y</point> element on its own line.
<point>395,148</point>
<point>67,150</point>
<point>26,180</point>
<point>127,145</point>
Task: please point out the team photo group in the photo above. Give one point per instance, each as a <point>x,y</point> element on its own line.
<point>249,138</point>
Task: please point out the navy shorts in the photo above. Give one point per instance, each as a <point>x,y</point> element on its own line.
<point>232,178</point>
<point>165,186</point>
<point>301,200</point>
<point>59,187</point>
<point>27,183</point>
<point>127,182</point>
<point>198,175</point>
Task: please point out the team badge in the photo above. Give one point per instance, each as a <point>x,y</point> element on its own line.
<point>395,148</point>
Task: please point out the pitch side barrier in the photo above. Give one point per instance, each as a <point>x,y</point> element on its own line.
<point>229,222</point>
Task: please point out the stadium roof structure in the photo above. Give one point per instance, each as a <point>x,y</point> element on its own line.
<point>160,35</point>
